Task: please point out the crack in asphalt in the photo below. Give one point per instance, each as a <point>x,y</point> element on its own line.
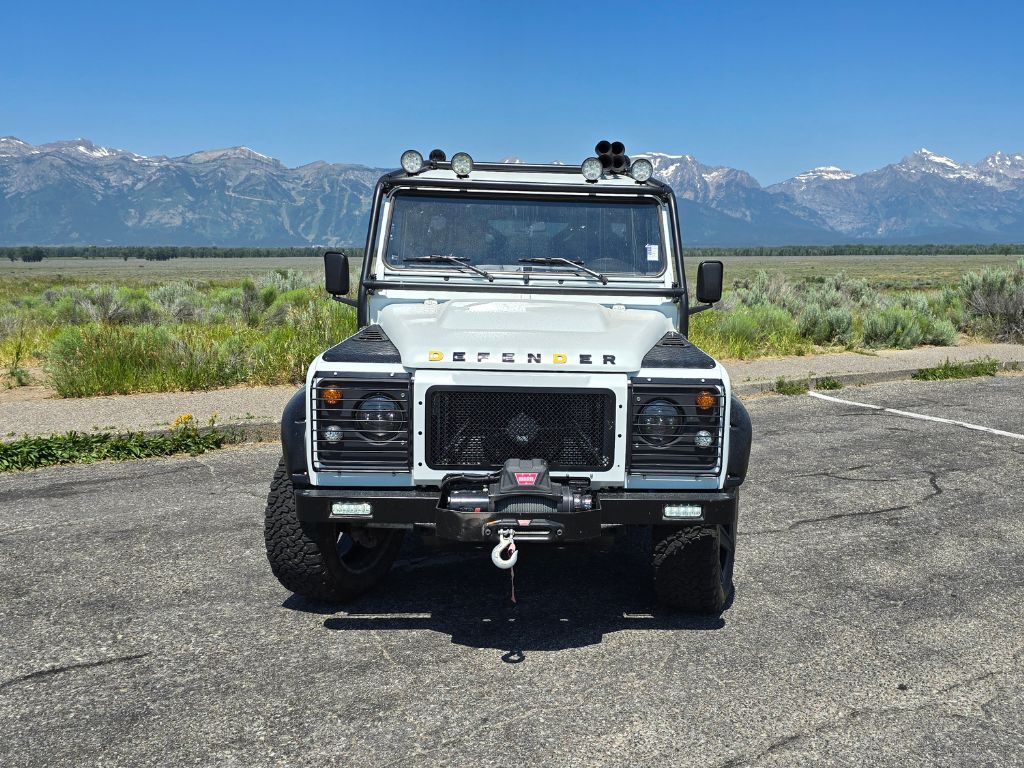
<point>78,487</point>
<point>71,668</point>
<point>833,474</point>
<point>856,714</point>
<point>841,515</point>
<point>933,480</point>
<point>827,519</point>
<point>202,463</point>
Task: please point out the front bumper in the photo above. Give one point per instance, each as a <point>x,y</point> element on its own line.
<point>419,507</point>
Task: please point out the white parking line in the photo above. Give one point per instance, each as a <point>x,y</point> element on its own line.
<point>920,416</point>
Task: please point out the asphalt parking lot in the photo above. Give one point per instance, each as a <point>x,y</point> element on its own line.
<point>878,620</point>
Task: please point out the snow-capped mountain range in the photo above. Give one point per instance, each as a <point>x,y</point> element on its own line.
<point>75,192</point>
<point>925,197</point>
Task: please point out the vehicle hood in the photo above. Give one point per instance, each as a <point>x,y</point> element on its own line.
<point>533,335</point>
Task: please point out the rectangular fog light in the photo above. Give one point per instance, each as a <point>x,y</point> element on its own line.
<point>350,509</point>
<point>683,511</point>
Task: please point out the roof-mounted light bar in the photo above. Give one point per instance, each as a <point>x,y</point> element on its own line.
<point>641,169</point>
<point>412,162</point>
<point>592,169</point>
<point>612,158</point>
<point>462,164</point>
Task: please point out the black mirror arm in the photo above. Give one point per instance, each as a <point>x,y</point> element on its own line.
<point>346,300</point>
<point>693,310</point>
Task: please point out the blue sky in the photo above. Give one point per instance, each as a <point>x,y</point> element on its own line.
<point>770,87</point>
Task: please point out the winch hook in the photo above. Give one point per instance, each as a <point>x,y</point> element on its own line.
<point>505,554</point>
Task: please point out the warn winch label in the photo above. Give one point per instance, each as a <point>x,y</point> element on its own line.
<point>526,478</point>
<point>556,358</point>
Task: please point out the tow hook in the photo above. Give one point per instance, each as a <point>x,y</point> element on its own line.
<point>504,555</point>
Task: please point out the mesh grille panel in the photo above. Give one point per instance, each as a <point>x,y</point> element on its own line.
<point>474,429</point>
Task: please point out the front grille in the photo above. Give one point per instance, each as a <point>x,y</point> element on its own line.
<point>676,453</point>
<point>480,429</point>
<point>342,443</point>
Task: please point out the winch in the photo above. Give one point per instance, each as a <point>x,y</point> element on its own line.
<point>523,487</point>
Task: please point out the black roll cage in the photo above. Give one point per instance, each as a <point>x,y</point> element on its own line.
<point>369,283</point>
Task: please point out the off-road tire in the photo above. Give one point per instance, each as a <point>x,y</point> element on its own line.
<point>305,557</point>
<point>693,567</point>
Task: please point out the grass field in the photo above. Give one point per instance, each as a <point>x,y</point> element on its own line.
<point>901,273</point>
<point>104,326</point>
<point>889,272</point>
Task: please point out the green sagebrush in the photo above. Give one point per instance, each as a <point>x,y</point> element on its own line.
<point>786,387</point>
<point>965,370</point>
<point>82,448</point>
<point>828,382</point>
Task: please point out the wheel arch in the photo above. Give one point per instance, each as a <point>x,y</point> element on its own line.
<point>293,438</point>
<point>740,438</point>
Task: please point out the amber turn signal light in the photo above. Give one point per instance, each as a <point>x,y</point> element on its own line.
<point>332,395</point>
<point>705,400</point>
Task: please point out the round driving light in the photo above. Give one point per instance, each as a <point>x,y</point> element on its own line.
<point>659,423</point>
<point>591,169</point>
<point>462,164</point>
<point>641,169</point>
<point>333,433</point>
<point>379,419</point>
<point>331,395</point>
<point>703,439</point>
<point>705,400</point>
<point>412,161</point>
<point>522,430</point>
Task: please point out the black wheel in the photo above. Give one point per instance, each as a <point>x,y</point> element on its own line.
<point>330,562</point>
<point>693,567</point>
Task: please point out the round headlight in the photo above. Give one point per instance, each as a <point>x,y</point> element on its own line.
<point>462,164</point>
<point>641,169</point>
<point>333,433</point>
<point>379,419</point>
<point>592,169</point>
<point>703,439</point>
<point>412,161</point>
<point>660,422</point>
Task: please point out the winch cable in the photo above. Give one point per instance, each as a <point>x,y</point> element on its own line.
<point>504,555</point>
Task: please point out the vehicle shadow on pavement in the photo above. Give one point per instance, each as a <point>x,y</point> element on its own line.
<point>567,598</point>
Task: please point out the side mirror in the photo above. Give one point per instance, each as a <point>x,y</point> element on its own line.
<point>336,273</point>
<point>709,282</point>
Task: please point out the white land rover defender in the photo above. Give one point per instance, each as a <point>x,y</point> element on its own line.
<point>521,375</point>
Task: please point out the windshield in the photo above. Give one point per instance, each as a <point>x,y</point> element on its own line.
<point>496,233</point>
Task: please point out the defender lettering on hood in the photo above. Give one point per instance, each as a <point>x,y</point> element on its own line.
<point>555,358</point>
<point>530,334</point>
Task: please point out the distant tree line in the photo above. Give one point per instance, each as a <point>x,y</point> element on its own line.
<point>156,252</point>
<point>767,252</point>
<point>164,252</point>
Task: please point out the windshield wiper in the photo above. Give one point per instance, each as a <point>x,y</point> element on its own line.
<point>459,261</point>
<point>555,261</point>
